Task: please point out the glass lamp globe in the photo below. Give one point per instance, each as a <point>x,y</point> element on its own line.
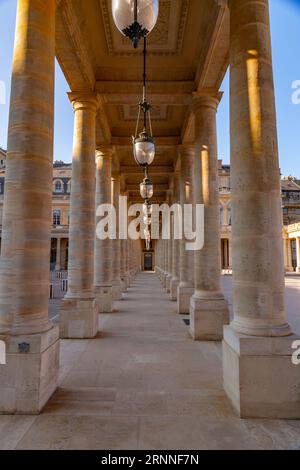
<point>144,149</point>
<point>135,18</point>
<point>146,189</point>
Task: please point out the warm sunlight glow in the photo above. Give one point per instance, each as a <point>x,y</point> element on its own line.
<point>254,100</point>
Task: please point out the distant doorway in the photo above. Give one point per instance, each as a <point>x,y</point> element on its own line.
<point>148,261</point>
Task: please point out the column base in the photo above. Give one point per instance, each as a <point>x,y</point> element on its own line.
<point>259,377</point>
<point>164,278</point>
<point>289,269</point>
<point>103,297</point>
<point>117,290</point>
<point>78,318</point>
<point>184,294</point>
<point>298,270</point>
<point>124,283</point>
<point>208,317</point>
<point>174,288</point>
<point>29,378</point>
<point>168,282</point>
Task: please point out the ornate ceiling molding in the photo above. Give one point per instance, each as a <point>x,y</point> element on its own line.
<point>165,40</point>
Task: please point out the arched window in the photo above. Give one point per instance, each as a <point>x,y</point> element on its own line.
<point>221,216</point>
<point>56,217</point>
<point>229,215</point>
<point>58,186</point>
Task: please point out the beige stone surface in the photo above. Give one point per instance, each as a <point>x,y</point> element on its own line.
<point>143,384</point>
<point>208,308</point>
<point>78,306</point>
<point>258,264</point>
<point>103,248</point>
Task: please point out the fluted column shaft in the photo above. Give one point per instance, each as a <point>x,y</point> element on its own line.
<point>209,311</point>
<point>24,271</point>
<point>298,253</point>
<point>79,302</point>
<point>116,244</point>
<point>186,285</point>
<point>30,375</point>
<point>258,293</point>
<point>175,245</point>
<point>103,248</point>
<point>82,207</point>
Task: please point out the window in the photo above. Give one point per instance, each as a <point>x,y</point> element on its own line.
<point>221,216</point>
<point>285,210</point>
<point>58,187</point>
<point>297,211</point>
<point>229,216</point>
<point>56,217</point>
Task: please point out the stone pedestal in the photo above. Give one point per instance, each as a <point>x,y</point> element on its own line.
<point>117,290</point>
<point>259,376</point>
<point>174,288</point>
<point>30,375</point>
<point>78,318</point>
<point>208,315</point>
<point>168,282</point>
<point>104,299</point>
<point>184,294</point>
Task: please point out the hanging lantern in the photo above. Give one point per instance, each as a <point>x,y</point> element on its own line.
<point>146,188</point>
<point>143,142</point>
<point>143,148</point>
<point>135,19</point>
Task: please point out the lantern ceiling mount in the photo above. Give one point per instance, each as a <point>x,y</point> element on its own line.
<point>135,19</point>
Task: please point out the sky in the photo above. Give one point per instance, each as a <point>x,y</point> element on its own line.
<point>285,27</point>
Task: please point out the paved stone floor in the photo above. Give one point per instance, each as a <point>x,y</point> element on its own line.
<point>144,384</point>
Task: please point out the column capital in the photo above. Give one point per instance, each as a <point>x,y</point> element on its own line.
<point>207,100</point>
<point>104,152</point>
<point>116,177</point>
<point>186,150</point>
<point>84,100</point>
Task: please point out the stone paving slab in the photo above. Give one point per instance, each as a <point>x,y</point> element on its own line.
<point>144,384</point>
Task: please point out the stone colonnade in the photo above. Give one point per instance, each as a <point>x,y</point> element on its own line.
<point>257,345</point>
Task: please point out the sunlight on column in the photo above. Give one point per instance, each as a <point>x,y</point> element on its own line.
<point>254,100</point>
<point>205,173</point>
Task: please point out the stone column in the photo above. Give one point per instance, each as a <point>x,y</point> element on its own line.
<point>169,245</point>
<point>186,285</point>
<point>103,248</point>
<point>287,254</point>
<point>123,274</point>
<point>259,376</point>
<point>175,247</point>
<point>79,313</point>
<point>165,262</point>
<point>30,375</point>
<point>298,254</point>
<point>116,244</point>
<point>123,258</point>
<point>208,308</point>
<point>58,255</point>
